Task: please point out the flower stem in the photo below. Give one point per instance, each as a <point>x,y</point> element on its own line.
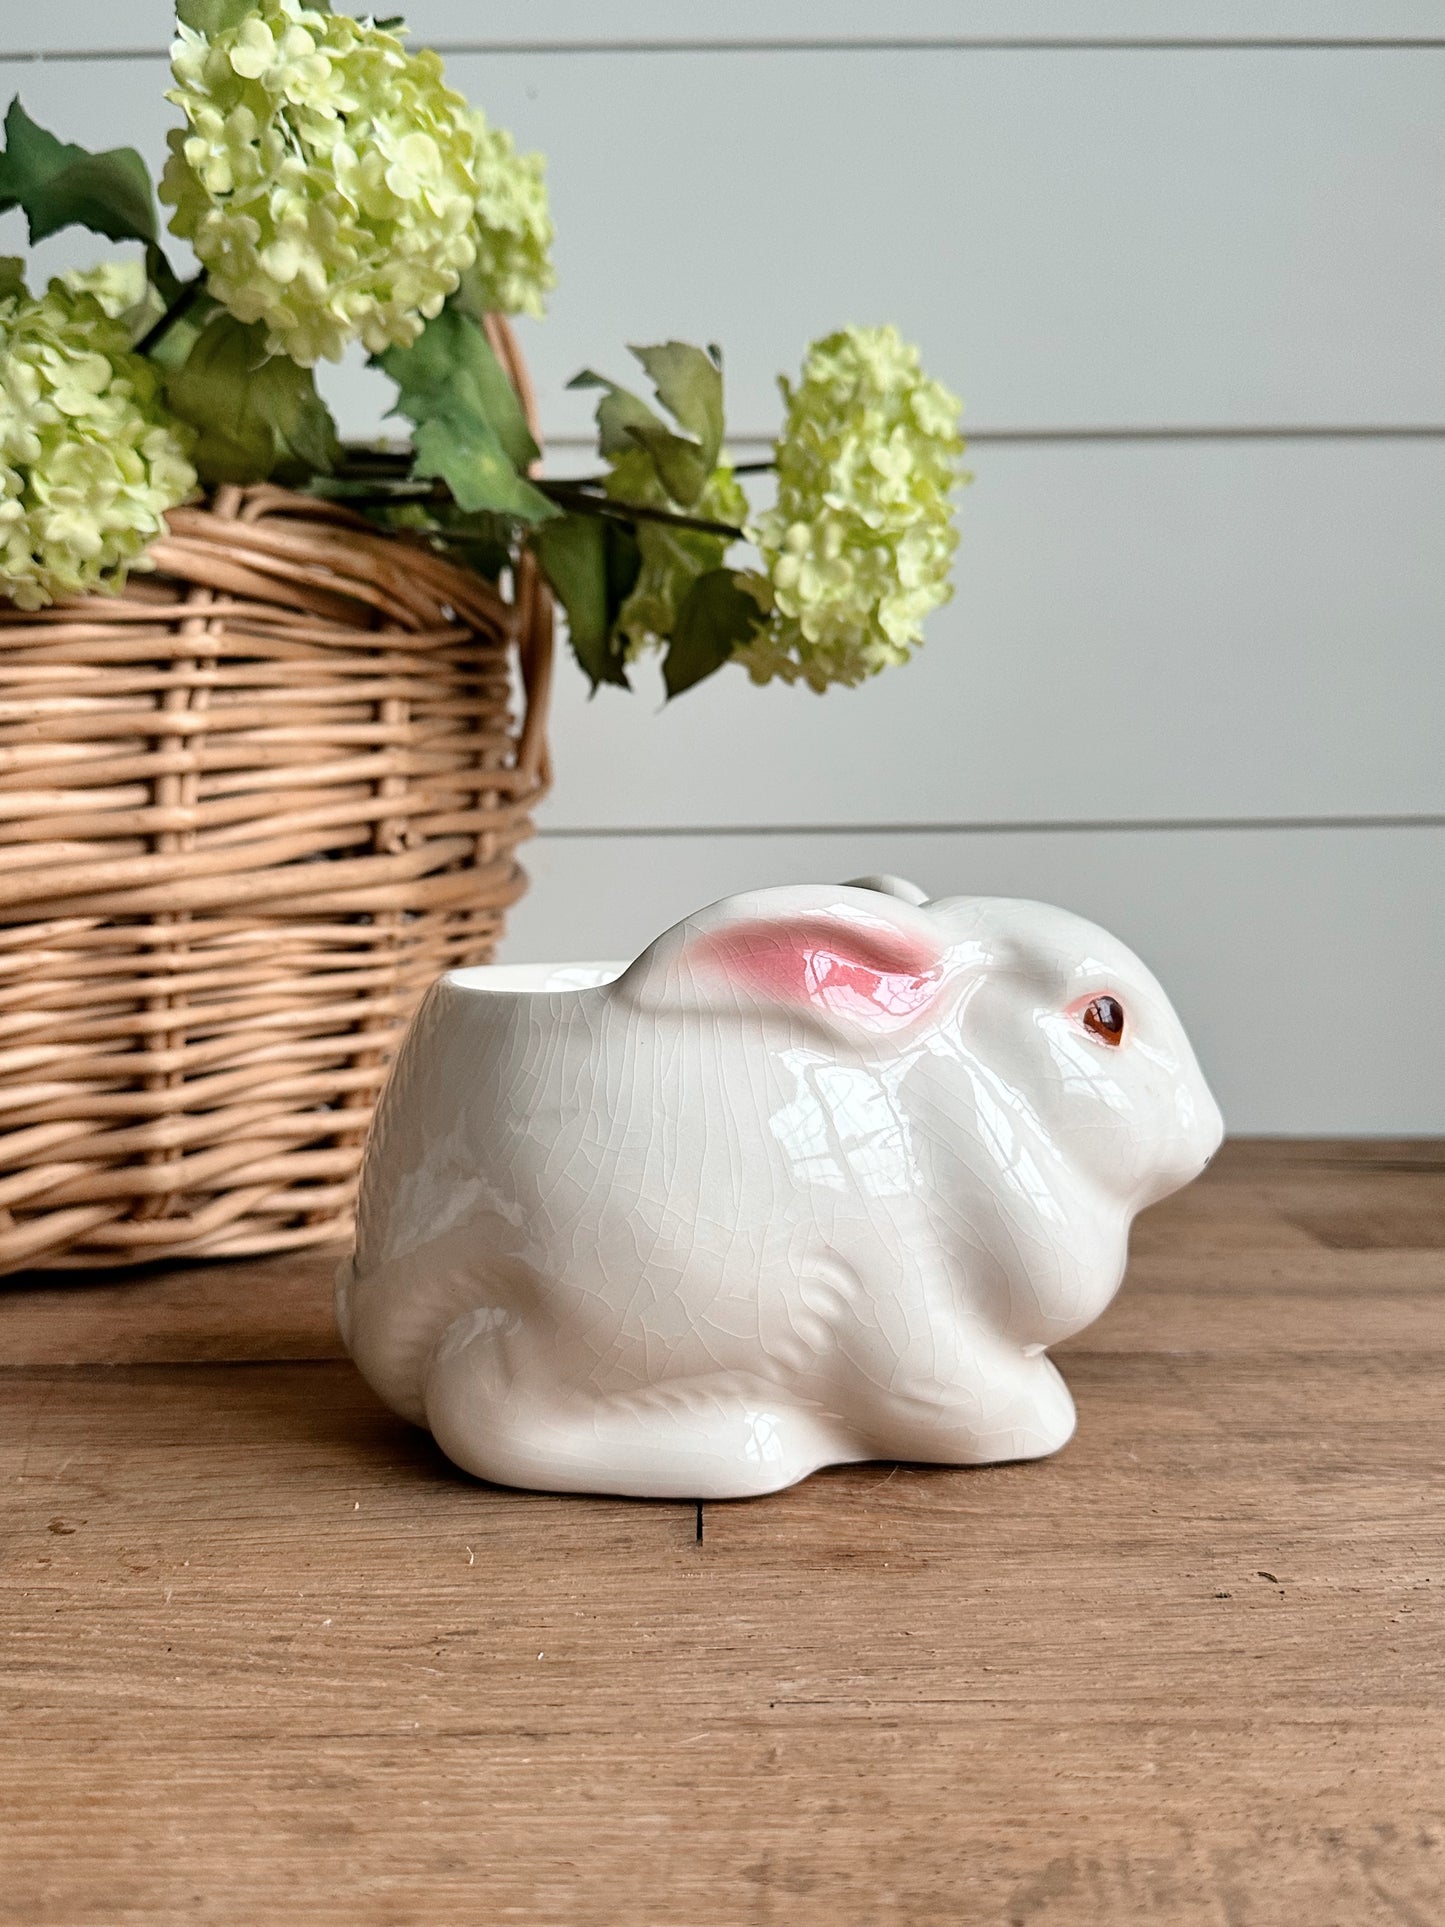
<point>739,468</point>
<point>190,293</point>
<point>376,461</point>
<point>388,467</point>
<point>581,500</point>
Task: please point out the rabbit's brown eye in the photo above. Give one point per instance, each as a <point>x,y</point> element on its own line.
<point>1104,1017</point>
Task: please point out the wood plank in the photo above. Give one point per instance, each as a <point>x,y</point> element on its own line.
<point>1288,1245</point>
<point>266,1657</point>
<point>230,1312</point>
<point>1260,935</point>
<point>922,1690</point>
<point>1076,239</point>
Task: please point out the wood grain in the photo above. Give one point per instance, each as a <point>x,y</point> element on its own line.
<point>267,1658</point>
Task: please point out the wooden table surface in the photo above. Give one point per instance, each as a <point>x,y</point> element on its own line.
<point>267,1659</point>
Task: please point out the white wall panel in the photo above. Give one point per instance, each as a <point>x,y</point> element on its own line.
<point>1076,239</point>
<point>1306,963</point>
<point>905,20</point>
<point>1169,630</point>
<point>90,24</point>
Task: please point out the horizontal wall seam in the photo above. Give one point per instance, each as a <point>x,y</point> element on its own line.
<point>1294,432</point>
<point>1073,826</point>
<point>950,43</point>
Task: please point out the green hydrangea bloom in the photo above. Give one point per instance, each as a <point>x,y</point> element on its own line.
<point>513,229</point>
<point>672,558</point>
<point>334,187</point>
<point>856,551</point>
<point>122,289</point>
<point>89,459</point>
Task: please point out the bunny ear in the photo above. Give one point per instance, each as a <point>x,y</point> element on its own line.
<point>855,960</point>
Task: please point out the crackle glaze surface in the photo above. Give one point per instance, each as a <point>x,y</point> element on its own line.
<point>816,1179</point>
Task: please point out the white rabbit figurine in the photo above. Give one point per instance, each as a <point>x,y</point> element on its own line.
<point>816,1179</point>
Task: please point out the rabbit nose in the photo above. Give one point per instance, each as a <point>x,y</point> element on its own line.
<point>1205,1128</point>
<point>1216,1128</point>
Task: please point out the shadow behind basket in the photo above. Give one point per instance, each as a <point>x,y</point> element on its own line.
<point>249,809</point>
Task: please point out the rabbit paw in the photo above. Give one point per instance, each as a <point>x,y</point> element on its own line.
<point>718,1436</point>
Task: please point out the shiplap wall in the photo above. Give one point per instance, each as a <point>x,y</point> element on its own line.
<point>1187,264</point>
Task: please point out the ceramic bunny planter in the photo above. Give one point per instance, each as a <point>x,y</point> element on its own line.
<point>816,1179</point>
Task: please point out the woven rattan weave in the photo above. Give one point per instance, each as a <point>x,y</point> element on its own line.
<point>249,809</point>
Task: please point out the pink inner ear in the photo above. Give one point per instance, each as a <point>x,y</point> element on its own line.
<point>881,978</point>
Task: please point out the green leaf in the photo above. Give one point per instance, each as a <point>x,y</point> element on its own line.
<point>173,347</point>
<point>470,297</point>
<point>625,422</point>
<point>716,618</point>
<point>482,539</point>
<point>688,381</point>
<point>481,542</point>
<point>215,16</point>
<point>12,276</point>
<point>469,429</point>
<point>619,413</point>
<point>689,385</point>
<point>60,185</point>
<point>574,554</point>
<point>483,555</point>
<point>468,457</point>
<point>255,414</point>
<point>306,438</point>
<point>624,565</point>
<point>499,400</point>
<point>163,276</point>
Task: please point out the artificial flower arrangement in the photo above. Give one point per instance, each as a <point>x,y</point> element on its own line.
<point>334,189</point>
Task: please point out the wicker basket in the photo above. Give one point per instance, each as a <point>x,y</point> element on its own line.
<point>249,809</point>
